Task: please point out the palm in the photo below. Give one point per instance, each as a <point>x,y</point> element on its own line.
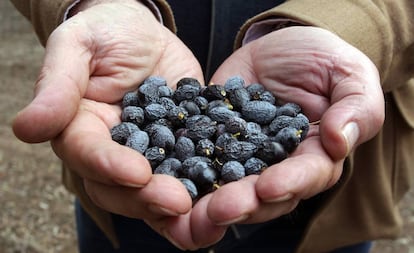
<point>335,84</point>
<point>119,58</point>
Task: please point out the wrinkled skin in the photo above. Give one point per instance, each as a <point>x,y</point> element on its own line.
<point>92,59</point>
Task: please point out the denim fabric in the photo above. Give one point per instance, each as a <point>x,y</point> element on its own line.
<point>135,236</point>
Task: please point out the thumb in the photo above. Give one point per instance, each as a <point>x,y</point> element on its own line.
<point>356,114</point>
<point>61,84</point>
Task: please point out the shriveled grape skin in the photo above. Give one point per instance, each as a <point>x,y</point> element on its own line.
<point>138,140</point>
<point>213,131</point>
<point>190,186</point>
<point>200,127</point>
<point>161,136</point>
<point>133,114</point>
<point>122,131</point>
<point>184,148</point>
<point>261,112</point>
<point>155,155</point>
<point>254,166</point>
<point>234,83</point>
<point>232,171</point>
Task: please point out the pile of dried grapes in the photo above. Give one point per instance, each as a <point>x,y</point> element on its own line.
<point>207,136</point>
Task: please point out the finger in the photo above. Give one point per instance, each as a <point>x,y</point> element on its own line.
<point>59,88</point>
<point>357,111</point>
<point>294,179</point>
<point>192,230</point>
<point>204,230</point>
<point>162,196</point>
<point>87,148</point>
<point>242,205</point>
<point>175,229</point>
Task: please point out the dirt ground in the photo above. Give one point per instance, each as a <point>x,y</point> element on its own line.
<point>36,212</point>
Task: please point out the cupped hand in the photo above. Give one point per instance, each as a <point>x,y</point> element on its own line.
<point>91,61</point>
<point>336,85</point>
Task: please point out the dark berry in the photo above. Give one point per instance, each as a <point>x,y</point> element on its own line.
<point>155,111</point>
<point>177,115</point>
<point>289,137</point>
<point>188,163</point>
<point>161,136</point>
<point>205,147</point>
<point>130,99</point>
<point>122,131</point>
<point>288,109</point>
<point>133,114</point>
<point>163,122</point>
<point>203,175</point>
<point>267,96</point>
<point>221,141</point>
<point>255,138</point>
<point>236,126</point>
<point>155,81</point>
<point>201,102</point>
<point>190,186</point>
<point>255,89</point>
<point>221,114</point>
<point>301,122</point>
<point>253,128</point>
<point>218,103</point>
<point>214,92</point>
<point>167,102</point>
<point>238,98</point>
<point>186,92</point>
<point>184,148</point>
<point>170,166</point>
<point>138,140</point>
<point>165,91</point>
<point>155,155</point>
<point>280,122</point>
<point>261,112</point>
<point>232,171</point>
<point>271,152</point>
<point>238,151</point>
<point>200,127</point>
<point>254,166</point>
<point>148,91</point>
<point>189,81</point>
<point>234,83</point>
<point>191,107</point>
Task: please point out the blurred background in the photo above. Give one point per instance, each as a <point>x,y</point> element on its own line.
<point>36,212</point>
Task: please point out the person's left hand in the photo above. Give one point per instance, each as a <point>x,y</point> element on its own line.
<point>333,82</point>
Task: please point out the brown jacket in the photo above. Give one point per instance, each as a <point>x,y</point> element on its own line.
<point>364,204</point>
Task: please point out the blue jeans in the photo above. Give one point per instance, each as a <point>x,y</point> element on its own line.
<point>281,235</point>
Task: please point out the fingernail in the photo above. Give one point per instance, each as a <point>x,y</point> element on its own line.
<point>351,134</point>
<point>286,197</point>
<point>235,220</point>
<point>171,240</point>
<point>129,184</point>
<point>162,210</point>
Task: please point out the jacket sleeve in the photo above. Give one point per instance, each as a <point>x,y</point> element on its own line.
<point>383,30</point>
<point>46,15</point>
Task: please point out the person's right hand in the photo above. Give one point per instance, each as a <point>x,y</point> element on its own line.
<point>91,61</point>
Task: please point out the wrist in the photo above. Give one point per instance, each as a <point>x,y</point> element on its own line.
<point>261,28</point>
<point>85,4</point>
